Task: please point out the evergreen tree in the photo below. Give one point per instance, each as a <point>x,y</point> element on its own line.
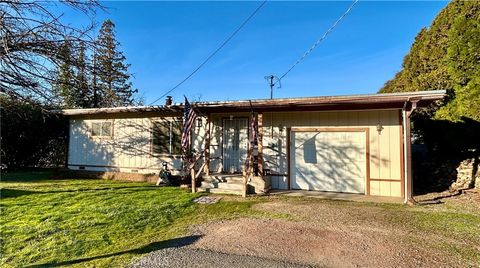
<point>446,56</point>
<point>83,92</point>
<point>63,85</point>
<point>95,90</point>
<point>112,85</point>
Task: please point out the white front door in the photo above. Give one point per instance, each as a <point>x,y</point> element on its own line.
<point>235,144</point>
<point>329,161</point>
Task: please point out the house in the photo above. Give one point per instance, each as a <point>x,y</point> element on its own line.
<point>350,144</point>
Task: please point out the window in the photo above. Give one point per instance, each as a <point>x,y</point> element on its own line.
<point>102,129</point>
<point>167,137</point>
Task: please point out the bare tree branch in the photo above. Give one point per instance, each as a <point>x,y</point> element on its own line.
<point>31,35</point>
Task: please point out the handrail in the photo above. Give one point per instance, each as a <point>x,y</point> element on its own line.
<point>248,170</point>
<point>191,167</point>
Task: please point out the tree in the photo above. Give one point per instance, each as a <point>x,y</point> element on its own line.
<point>446,56</point>
<point>83,88</point>
<point>31,136</point>
<point>113,87</point>
<point>63,87</point>
<point>31,36</point>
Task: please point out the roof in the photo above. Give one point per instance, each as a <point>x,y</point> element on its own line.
<point>128,109</point>
<point>345,102</point>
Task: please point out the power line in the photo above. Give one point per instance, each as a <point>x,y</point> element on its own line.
<point>320,39</point>
<point>214,52</point>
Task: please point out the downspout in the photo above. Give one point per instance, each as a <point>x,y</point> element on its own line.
<point>405,157</point>
<point>408,194</point>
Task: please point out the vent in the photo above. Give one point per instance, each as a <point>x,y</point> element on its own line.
<point>81,167</point>
<point>134,170</point>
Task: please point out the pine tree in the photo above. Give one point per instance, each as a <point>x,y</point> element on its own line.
<point>83,94</point>
<point>113,87</point>
<point>63,86</point>
<point>95,90</point>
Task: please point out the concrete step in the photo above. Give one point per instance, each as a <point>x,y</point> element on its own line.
<point>219,191</point>
<point>223,185</point>
<point>223,178</point>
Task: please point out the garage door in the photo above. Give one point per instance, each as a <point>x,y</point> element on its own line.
<point>328,161</point>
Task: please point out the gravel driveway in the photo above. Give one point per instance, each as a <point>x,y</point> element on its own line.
<point>189,257</point>
<point>321,234</point>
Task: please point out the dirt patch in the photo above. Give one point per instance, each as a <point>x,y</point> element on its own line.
<point>467,200</point>
<point>307,244</point>
<point>331,234</point>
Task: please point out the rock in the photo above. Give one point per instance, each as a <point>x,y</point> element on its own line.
<point>467,175</point>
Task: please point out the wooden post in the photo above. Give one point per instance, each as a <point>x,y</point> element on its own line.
<point>245,181</point>
<point>192,173</point>
<point>289,168</point>
<point>260,143</point>
<point>408,155</point>
<point>207,146</point>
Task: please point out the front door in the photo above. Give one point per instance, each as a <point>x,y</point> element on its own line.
<point>235,144</point>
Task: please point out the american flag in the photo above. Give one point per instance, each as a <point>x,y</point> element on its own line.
<point>189,117</point>
<point>254,129</point>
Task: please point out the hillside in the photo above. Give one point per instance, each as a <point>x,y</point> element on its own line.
<point>446,56</point>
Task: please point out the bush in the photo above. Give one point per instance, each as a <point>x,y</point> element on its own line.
<point>31,136</point>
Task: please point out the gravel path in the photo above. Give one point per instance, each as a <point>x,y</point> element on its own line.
<point>188,257</point>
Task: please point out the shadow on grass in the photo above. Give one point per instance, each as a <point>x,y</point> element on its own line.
<point>6,192</point>
<point>439,199</point>
<point>171,243</point>
<point>27,176</point>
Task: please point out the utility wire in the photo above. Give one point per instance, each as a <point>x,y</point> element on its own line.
<point>319,40</point>
<point>214,52</point>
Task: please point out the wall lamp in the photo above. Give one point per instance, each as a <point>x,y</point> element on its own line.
<point>379,129</point>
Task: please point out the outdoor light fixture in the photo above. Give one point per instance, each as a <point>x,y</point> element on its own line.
<point>379,129</point>
<point>280,127</point>
<point>231,117</point>
<point>199,122</point>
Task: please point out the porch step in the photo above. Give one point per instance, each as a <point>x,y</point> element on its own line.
<point>219,191</point>
<point>224,178</point>
<point>222,184</point>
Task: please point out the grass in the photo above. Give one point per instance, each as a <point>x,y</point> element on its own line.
<point>100,223</point>
<point>96,223</point>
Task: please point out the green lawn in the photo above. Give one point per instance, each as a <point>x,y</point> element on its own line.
<point>101,223</point>
<point>48,222</point>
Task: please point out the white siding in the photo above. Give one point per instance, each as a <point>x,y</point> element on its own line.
<point>129,150</point>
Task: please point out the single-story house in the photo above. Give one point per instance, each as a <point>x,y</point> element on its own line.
<point>350,144</point>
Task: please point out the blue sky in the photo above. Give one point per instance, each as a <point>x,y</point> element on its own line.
<point>165,41</point>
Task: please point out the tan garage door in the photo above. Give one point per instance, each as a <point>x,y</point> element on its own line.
<point>328,161</point>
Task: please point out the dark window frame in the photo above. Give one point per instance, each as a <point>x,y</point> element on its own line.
<point>174,137</point>
<point>101,134</point>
